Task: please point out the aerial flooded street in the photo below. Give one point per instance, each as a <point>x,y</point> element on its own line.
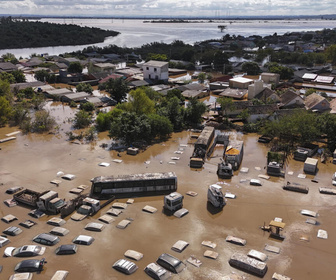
<point>33,160</point>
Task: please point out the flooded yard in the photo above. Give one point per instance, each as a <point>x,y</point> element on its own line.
<point>32,161</point>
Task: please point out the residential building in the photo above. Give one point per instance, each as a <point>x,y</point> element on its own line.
<point>270,78</point>
<point>156,70</point>
<point>7,67</point>
<point>103,67</point>
<point>291,99</point>
<point>316,102</point>
<point>240,82</point>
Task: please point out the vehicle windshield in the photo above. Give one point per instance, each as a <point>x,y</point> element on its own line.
<point>83,210</point>
<point>16,251</point>
<point>59,203</point>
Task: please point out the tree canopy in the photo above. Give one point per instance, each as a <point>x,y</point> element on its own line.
<point>117,88</point>
<point>29,34</point>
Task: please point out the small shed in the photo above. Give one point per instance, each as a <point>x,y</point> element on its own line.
<point>310,166</point>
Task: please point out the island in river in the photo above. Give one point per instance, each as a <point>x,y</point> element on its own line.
<point>20,33</point>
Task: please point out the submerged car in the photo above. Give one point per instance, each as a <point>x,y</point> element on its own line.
<point>25,251</point>
<point>157,272</point>
<point>46,239</point>
<point>255,182</point>
<point>83,240</point>
<point>13,190</point>
<point>12,231</point>
<point>3,241</point>
<point>60,275</point>
<point>125,266</point>
<point>171,263</point>
<point>30,266</point>
<point>21,276</point>
<point>67,249</point>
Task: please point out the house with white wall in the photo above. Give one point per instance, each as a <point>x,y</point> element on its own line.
<point>155,70</point>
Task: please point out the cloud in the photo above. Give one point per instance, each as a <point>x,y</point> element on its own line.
<point>166,7</point>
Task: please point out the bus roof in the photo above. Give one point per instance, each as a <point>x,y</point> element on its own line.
<point>135,177</point>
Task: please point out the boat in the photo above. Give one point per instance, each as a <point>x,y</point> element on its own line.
<point>296,188</point>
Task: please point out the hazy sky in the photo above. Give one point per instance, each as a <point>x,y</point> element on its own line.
<point>167,7</point>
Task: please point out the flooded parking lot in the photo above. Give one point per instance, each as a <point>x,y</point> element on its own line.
<point>32,161</point>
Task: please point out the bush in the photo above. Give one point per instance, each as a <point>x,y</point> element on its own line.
<point>87,106</point>
<point>82,119</point>
<point>43,122</point>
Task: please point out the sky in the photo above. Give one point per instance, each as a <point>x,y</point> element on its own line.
<point>168,8</point>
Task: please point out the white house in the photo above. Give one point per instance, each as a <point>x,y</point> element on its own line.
<point>155,70</point>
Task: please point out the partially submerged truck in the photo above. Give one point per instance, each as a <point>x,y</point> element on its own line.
<point>50,203</point>
<point>173,201</point>
<point>215,196</point>
<point>47,201</point>
<point>89,207</point>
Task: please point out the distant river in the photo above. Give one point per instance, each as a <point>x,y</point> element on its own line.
<point>135,33</point>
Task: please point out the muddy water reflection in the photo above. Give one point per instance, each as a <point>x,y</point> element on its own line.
<point>33,161</point>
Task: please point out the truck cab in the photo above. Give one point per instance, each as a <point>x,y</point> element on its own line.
<point>50,202</point>
<point>215,196</point>
<point>89,207</point>
<point>173,201</point>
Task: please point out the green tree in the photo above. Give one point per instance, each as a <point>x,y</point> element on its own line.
<point>28,92</point>
<point>327,125</point>
<point>161,127</point>
<point>104,120</point>
<point>172,109</point>
<point>82,119</point>
<point>285,72</point>
<point>140,103</point>
<point>42,75</point>
<point>331,54</point>
<point>9,57</point>
<point>310,91</point>
<point>75,67</point>
<point>131,128</point>
<point>43,121</point>
<point>117,88</point>
<point>175,93</point>
<point>152,94</point>
<point>226,104</point>
<point>194,111</point>
<point>38,101</point>
<point>5,110</point>
<point>156,56</point>
<point>251,68</point>
<point>84,87</point>
<point>201,77</point>
<point>5,76</point>
<point>299,127</point>
<point>20,115</point>
<point>5,90</point>
<point>19,76</point>
<point>87,106</point>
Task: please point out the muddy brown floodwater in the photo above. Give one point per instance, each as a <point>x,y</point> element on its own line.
<point>32,161</point>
